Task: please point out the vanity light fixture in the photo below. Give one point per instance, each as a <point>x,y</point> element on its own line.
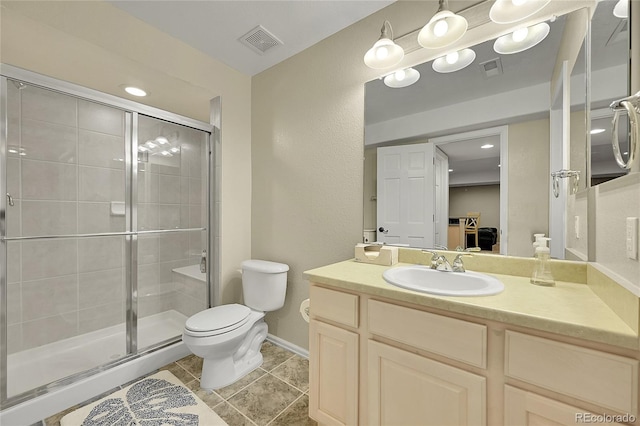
<point>175,149</point>
<point>402,78</point>
<point>521,39</point>
<point>454,61</point>
<point>510,11</point>
<point>384,53</point>
<point>486,146</point>
<point>443,29</point>
<point>135,91</point>
<point>621,9</point>
<point>150,144</point>
<point>596,131</point>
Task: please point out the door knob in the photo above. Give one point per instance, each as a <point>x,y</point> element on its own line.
<point>384,231</point>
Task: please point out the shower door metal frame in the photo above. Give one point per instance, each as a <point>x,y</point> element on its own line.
<point>131,110</point>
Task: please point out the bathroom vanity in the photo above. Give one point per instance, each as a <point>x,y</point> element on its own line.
<point>382,355</point>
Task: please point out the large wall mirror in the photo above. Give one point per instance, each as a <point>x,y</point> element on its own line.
<point>489,129</point>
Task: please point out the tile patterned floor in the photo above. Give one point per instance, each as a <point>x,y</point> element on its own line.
<point>274,394</point>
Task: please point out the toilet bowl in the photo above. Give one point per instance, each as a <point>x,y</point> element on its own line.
<point>229,337</point>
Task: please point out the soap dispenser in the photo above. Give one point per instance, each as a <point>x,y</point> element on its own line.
<point>542,269</point>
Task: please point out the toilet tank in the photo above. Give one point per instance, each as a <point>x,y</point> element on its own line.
<point>264,284</point>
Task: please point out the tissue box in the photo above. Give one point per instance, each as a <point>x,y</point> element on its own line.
<point>376,254</point>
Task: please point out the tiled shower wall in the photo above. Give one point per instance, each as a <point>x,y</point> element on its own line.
<point>64,169</point>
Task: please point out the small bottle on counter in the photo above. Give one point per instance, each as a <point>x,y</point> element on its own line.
<point>542,269</point>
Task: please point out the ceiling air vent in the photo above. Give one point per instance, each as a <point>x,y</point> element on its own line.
<point>259,40</point>
<point>491,68</point>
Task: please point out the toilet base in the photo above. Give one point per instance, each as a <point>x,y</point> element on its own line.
<point>220,372</point>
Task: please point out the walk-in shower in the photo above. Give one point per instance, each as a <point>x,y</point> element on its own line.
<point>102,199</point>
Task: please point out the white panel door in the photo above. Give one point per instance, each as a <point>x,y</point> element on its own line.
<point>406,195</point>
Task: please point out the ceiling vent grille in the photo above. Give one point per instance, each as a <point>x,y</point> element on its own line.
<point>491,68</point>
<point>260,40</point>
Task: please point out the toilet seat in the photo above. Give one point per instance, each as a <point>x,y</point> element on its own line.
<point>217,320</point>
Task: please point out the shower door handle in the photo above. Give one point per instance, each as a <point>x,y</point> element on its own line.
<point>10,199</point>
<point>203,262</point>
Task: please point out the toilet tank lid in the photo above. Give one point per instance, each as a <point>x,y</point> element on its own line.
<point>264,266</point>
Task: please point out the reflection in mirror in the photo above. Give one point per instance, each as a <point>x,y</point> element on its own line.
<point>499,100</point>
<point>609,82</point>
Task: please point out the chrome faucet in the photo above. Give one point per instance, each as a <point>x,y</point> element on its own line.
<point>439,262</point>
<point>458,266</point>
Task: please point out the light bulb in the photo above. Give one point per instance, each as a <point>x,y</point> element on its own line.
<point>486,146</point>
<point>440,28</point>
<point>400,75</point>
<point>452,58</point>
<point>520,34</point>
<point>518,2</point>
<point>382,52</point>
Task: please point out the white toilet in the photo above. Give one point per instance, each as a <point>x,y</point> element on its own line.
<point>229,337</point>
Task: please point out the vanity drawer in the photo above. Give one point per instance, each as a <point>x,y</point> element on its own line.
<point>334,306</point>
<point>604,379</point>
<point>456,339</point>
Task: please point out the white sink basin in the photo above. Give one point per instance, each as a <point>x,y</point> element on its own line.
<point>427,280</point>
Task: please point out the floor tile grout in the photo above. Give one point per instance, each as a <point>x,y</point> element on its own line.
<point>285,409</point>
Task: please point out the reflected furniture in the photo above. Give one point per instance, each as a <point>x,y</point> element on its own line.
<point>471,225</point>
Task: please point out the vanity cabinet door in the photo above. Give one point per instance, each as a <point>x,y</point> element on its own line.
<point>529,409</point>
<point>408,389</point>
<point>333,374</point>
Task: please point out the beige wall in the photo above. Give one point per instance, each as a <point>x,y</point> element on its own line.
<point>482,198</point>
<point>528,185</point>
<point>96,45</point>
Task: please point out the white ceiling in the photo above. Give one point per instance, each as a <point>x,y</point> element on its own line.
<point>214,27</point>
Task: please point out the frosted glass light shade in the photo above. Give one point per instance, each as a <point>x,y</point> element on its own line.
<point>442,30</point>
<point>402,78</point>
<point>444,64</point>
<point>510,11</point>
<point>621,9</point>
<point>384,53</point>
<point>511,43</point>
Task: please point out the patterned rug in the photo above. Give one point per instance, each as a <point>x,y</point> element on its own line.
<point>156,400</point>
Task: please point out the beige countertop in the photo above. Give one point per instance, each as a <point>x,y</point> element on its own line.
<point>570,309</point>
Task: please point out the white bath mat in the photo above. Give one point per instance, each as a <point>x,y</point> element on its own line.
<point>156,400</point>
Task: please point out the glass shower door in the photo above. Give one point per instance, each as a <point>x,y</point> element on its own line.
<point>172,216</point>
<point>65,236</point>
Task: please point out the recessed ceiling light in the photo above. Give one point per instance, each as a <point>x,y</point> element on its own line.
<point>486,146</point>
<point>596,131</point>
<point>450,170</point>
<point>135,91</point>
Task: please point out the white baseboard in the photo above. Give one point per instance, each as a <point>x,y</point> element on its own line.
<point>288,345</point>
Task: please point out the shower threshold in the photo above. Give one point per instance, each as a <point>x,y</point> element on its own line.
<point>36,367</point>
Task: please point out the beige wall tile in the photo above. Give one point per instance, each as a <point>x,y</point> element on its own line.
<point>148,185</point>
<point>100,118</point>
<point>147,249</point>
<point>148,279</point>
<point>195,191</point>
<point>46,105</point>
<point>13,176</point>
<point>49,297</point>
<point>14,338</point>
<point>49,217</point>
<point>166,269</point>
<point>48,141</point>
<point>14,219</point>
<point>174,247</point>
<point>48,258</point>
<point>14,303</point>
<point>97,217</point>
<point>188,305</point>
<point>100,150</point>
<point>98,254</point>
<point>102,287</point>
<point>100,317</point>
<point>168,216</point>
<point>100,184</point>
<point>14,267</point>
<point>184,190</point>
<point>48,181</point>
<point>189,286</point>
<point>46,330</point>
<point>147,216</point>
<point>169,187</point>
<point>151,305</point>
